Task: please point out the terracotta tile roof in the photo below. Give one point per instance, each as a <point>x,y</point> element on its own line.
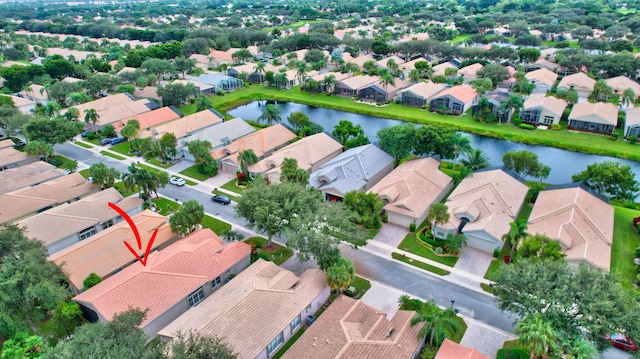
<point>69,218</point>
<point>411,65</point>
<point>542,76</point>
<point>463,93</point>
<point>579,81</point>
<point>546,64</point>
<point>425,89</point>
<point>452,350</point>
<point>28,175</point>
<point>21,101</point>
<point>17,204</point>
<point>359,82</point>
<point>220,55</point>
<point>580,221</point>
<point>12,63</point>
<point>202,59</point>
<point>309,152</point>
<point>168,278</point>
<point>253,308</point>
<point>147,92</point>
<point>550,103</point>
<point>351,329</point>
<point>37,93</point>
<point>151,118</point>
<point>599,112</point>
<point>104,253</point>
<point>632,116</point>
<point>470,71</point>
<point>260,142</point>
<point>489,199</point>
<point>383,62</point>
<point>621,83</point>
<point>77,54</point>
<point>411,188</point>
<point>339,77</point>
<point>116,107</point>
<point>181,127</point>
<point>360,60</point>
<point>440,68</point>
<point>7,143</point>
<point>10,155</point>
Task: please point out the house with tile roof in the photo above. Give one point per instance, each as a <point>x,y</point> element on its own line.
<point>27,201</point>
<point>150,92</point>
<point>406,67</point>
<point>542,63</point>
<point>470,73</point>
<point>380,92</point>
<point>258,310</point>
<point>411,189</point>
<point>220,57</point>
<point>69,223</point>
<point>348,328</point>
<point>262,142</point>
<point>356,169</point>
<point>543,79</point>
<point>175,279</point>
<point>311,152</point>
<point>24,105</point>
<point>152,118</point>
<point>219,135</point>
<point>600,117</point>
<point>105,254</point>
<point>440,69</point>
<point>620,83</point>
<point>184,126</point>
<point>632,122</point>
<point>580,82</point>
<point>203,61</point>
<point>455,100</point>
<point>541,110</point>
<point>36,93</point>
<point>12,158</point>
<point>452,350</point>
<point>28,175</point>
<point>495,106</point>
<point>351,86</point>
<point>482,206</point>
<point>420,94</point>
<point>383,63</point>
<point>361,60</point>
<point>321,77</point>
<point>118,107</point>
<point>580,221</point>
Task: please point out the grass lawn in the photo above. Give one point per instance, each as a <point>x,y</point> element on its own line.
<point>122,148</point>
<point>625,241</point>
<point>418,264</point>
<point>460,38</point>
<point>64,162</point>
<point>166,206</point>
<point>233,198</point>
<point>372,232</point>
<point>85,173</point>
<point>95,141</point>
<point>155,162</point>
<point>410,244</point>
<point>276,253</point>
<point>362,286</point>
<point>525,211</point>
<point>123,191</point>
<point>84,144</point>
<point>582,142</point>
<point>233,187</point>
<point>193,173</point>
<point>513,344</point>
<point>214,224</point>
<point>112,155</point>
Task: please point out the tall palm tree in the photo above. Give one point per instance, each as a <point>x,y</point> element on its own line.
<point>247,158</point>
<point>302,69</point>
<point>91,116</point>
<point>392,65</point>
<point>543,172</point>
<point>340,274</point>
<point>517,231</point>
<point>387,79</point>
<point>45,88</point>
<point>601,90</point>
<point>329,82</point>
<point>438,324</point>
<point>146,181</point>
<point>461,144</point>
<point>537,335</point>
<point>484,109</point>
<point>415,75</point>
<point>476,160</point>
<point>628,97</point>
<point>51,108</point>
<point>514,103</point>
<point>438,214</point>
<point>280,80</point>
<point>271,114</point>
<point>72,114</point>
<point>259,67</point>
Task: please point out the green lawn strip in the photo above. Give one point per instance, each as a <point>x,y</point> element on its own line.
<point>578,141</point>
<point>419,264</point>
<point>112,155</point>
<point>84,144</point>
<point>190,183</point>
<point>513,344</point>
<point>155,162</point>
<point>372,232</point>
<point>411,245</point>
<point>525,211</point>
<point>276,253</point>
<point>123,191</point>
<point>122,148</point>
<point>189,109</point>
<point>214,224</point>
<point>141,165</point>
<point>85,173</point>
<point>233,198</point>
<point>289,343</point>
<point>233,187</point>
<point>362,286</point>
<point>487,288</point>
<point>166,206</point>
<point>63,162</point>
<point>95,141</point>
<point>625,241</point>
<point>193,173</point>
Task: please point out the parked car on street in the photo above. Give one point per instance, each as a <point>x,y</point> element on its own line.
<point>622,341</point>
<point>177,181</point>
<point>218,198</point>
<point>115,141</point>
<point>105,141</point>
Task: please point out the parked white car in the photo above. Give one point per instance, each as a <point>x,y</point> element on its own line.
<point>177,181</point>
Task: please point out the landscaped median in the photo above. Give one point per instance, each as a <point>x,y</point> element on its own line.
<point>580,141</point>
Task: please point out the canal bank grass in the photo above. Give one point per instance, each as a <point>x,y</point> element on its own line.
<point>573,141</point>
<point>625,241</point>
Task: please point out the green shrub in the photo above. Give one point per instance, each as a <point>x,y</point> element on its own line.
<point>517,121</point>
<point>506,353</point>
<point>638,269</point>
<point>55,162</point>
<point>412,227</point>
<point>556,127</point>
<point>614,136</point>
<point>439,250</point>
<point>385,218</point>
<point>632,139</point>
<point>496,253</point>
<point>526,126</point>
<point>424,107</point>
<point>637,252</point>
<point>91,136</point>
<point>91,280</point>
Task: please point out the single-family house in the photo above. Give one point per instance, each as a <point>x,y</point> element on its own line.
<point>238,311</point>
<point>580,82</point>
<point>470,73</point>
<point>149,92</point>
<point>36,93</point>
<point>440,69</point>
<point>175,279</point>
<point>409,190</point>
<point>310,152</point>
<point>202,88</point>
<point>118,107</point>
<point>27,201</point>
<point>262,143</point>
<point>406,67</point>
<point>481,208</point>
<point>24,105</point>
<point>151,119</point>
<point>495,99</point>
<point>543,79</point>
<point>348,328</point>
<point>320,78</point>
<point>380,92</point>
<point>455,100</point>
<point>541,110</point>
<point>542,63</point>
<point>221,57</point>
<point>362,59</point>
<point>28,175</point>
<point>580,221</point>
<point>12,158</point>
<point>203,61</point>
<point>384,63</point>
<point>356,169</point>
<point>219,82</point>
<point>600,117</point>
<point>620,83</point>
<point>182,127</point>
<point>499,31</point>
<point>69,223</point>
<point>632,122</point>
<point>219,135</point>
<point>104,253</point>
<point>420,94</point>
<point>452,350</point>
<point>349,87</point>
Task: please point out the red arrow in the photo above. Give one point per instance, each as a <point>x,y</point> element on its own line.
<point>134,228</point>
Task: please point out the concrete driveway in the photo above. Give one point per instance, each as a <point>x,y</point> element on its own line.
<point>474,261</point>
<point>391,234</point>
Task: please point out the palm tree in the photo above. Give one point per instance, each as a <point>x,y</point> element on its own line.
<point>461,144</point>
<point>340,274</point>
<point>438,324</point>
<point>476,160</point>
<point>72,114</point>
<point>91,115</point>
<point>514,103</point>
<point>247,158</point>
<point>578,348</point>
<point>280,80</point>
<point>628,97</point>
<point>329,82</point>
<point>302,71</point>
<point>601,90</point>
<point>537,335</point>
<point>392,65</point>
<point>517,231</point>
<point>45,88</point>
<point>259,68</point>
<point>272,113</point>
<point>387,79</point>
<point>543,172</point>
<point>484,109</point>
<point>352,68</point>
<point>147,181</point>
<point>223,67</point>
<point>75,98</point>
<point>415,75</point>
<point>51,108</point>
<point>203,103</point>
<point>483,85</point>
<point>438,214</point>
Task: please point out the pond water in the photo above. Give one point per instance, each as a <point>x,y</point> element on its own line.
<point>563,163</point>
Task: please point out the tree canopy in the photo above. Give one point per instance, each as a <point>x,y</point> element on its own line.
<point>349,135</point>
<point>52,131</point>
<point>610,179</point>
<point>187,218</point>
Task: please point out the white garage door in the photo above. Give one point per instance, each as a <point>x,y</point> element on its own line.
<point>480,243</point>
